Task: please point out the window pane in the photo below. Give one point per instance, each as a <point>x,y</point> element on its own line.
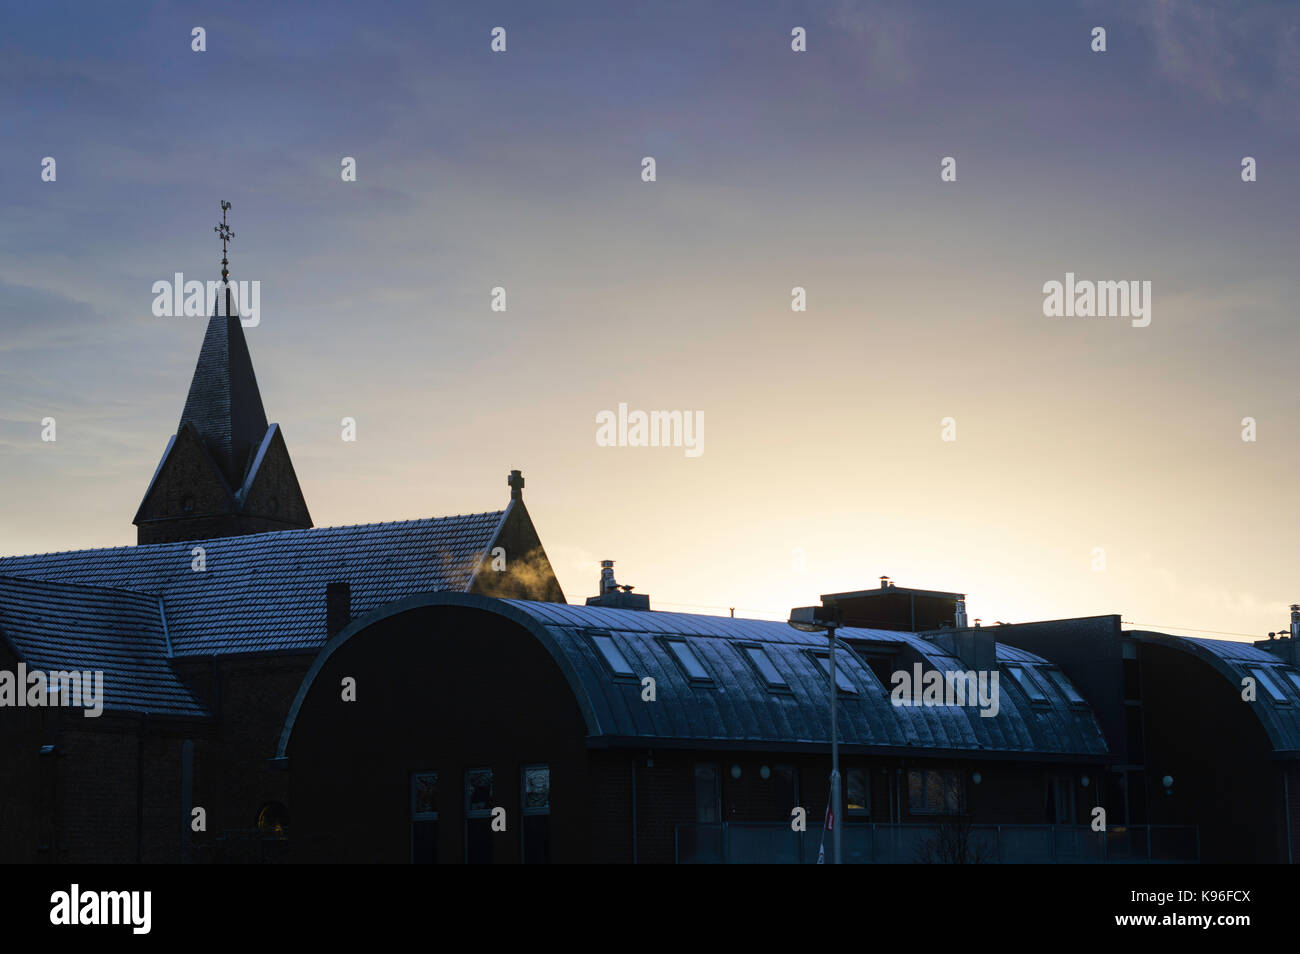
<point>426,793</point>
<point>612,655</point>
<point>953,792</point>
<point>690,662</point>
<point>934,791</point>
<point>841,680</point>
<point>478,791</point>
<point>707,795</point>
<point>765,666</point>
<point>1267,682</point>
<point>856,784</point>
<point>537,788</point>
<point>1027,683</point>
<point>1066,687</point>
<point>915,791</point>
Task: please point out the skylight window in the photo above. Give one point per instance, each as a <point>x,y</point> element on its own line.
<point>1264,679</point>
<point>687,659</point>
<point>841,680</point>
<point>1295,679</point>
<point>1066,687</point>
<point>1026,682</point>
<point>613,656</point>
<point>758,656</point>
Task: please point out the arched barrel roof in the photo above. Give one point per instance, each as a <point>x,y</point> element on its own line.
<point>1279,717</point>
<point>736,706</point>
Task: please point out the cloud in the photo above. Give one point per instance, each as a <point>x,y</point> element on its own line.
<point>882,32</point>
<point>1228,52</point>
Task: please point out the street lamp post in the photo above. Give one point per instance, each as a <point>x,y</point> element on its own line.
<point>816,619</point>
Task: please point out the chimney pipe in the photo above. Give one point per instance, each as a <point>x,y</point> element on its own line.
<point>338,607</point>
<point>960,620</point>
<point>607,581</point>
<point>614,596</point>
<point>1295,620</point>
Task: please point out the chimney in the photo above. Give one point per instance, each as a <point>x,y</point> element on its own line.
<point>1285,645</point>
<point>976,648</point>
<point>959,619</point>
<point>884,583</point>
<point>614,596</point>
<point>338,607</point>
<point>607,582</point>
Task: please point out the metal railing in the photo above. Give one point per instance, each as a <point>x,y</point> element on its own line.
<point>947,842</point>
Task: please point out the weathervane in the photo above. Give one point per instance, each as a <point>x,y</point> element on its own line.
<point>226,235</point>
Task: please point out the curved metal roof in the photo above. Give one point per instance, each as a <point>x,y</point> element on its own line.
<point>1235,660</point>
<point>736,705</point>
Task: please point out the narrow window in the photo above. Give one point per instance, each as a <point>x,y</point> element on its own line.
<point>758,656</point>
<point>857,801</point>
<point>1264,679</point>
<point>613,655</point>
<point>687,659</point>
<point>1063,684</point>
<point>841,679</point>
<point>1026,682</point>
<point>537,814</point>
<point>708,794</point>
<point>478,816</point>
<point>424,818</point>
<point>1060,800</point>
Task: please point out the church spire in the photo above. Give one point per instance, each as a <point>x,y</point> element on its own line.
<point>225,471</point>
<point>224,403</point>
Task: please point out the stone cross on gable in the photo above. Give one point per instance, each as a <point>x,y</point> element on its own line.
<point>516,482</point>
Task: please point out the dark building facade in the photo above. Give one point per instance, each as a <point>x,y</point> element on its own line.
<point>544,712</point>
<point>420,691</point>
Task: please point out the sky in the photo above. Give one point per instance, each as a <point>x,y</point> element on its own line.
<point>1097,467</point>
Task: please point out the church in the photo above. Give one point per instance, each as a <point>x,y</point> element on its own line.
<point>422,691</point>
<point>204,630</point>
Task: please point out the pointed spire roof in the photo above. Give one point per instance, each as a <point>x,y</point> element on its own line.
<point>225,472</point>
<point>224,403</point>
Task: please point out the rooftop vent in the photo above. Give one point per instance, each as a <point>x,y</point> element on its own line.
<point>1283,644</point>
<point>612,595</point>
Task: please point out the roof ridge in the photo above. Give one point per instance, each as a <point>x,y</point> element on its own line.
<point>210,541</point>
